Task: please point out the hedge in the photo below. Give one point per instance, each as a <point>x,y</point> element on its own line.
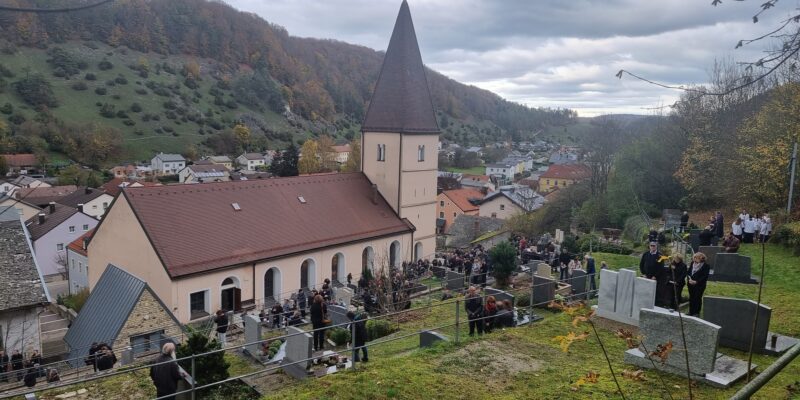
<point>788,234</point>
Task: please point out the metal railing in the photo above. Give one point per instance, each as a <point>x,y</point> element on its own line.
<point>457,324</point>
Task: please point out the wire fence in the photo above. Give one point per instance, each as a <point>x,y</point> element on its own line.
<point>458,324</point>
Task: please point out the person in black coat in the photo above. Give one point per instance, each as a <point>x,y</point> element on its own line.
<point>652,267</point>
<point>719,225</point>
<point>166,376</point>
<point>706,236</point>
<point>474,306</point>
<point>5,365</point>
<point>360,338</point>
<point>30,376</point>
<point>677,280</point>
<point>105,357</point>
<point>505,315</point>
<point>684,221</point>
<point>222,326</point>
<point>17,362</point>
<point>697,277</point>
<point>302,302</point>
<point>318,311</point>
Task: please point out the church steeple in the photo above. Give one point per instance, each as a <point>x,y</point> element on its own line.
<point>401,102</point>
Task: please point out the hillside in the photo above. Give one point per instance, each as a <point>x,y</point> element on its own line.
<point>195,68</point>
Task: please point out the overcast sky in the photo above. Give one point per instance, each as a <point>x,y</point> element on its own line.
<point>552,53</point>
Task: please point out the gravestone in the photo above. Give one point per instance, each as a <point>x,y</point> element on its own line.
<point>544,290</point>
<point>622,295</point>
<point>732,267</point>
<point>343,295</point>
<point>672,218</point>
<point>338,315</point>
<point>500,295</point>
<point>736,317</point>
<point>711,253</point>
<point>298,353</point>
<point>439,271</point>
<point>694,239</point>
<point>127,356</point>
<point>544,270</point>
<point>252,333</point>
<point>559,236</point>
<point>430,338</point>
<point>660,327</point>
<point>455,281</point>
<point>579,283</point>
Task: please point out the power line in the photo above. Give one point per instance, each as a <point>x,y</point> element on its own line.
<point>53,10</point>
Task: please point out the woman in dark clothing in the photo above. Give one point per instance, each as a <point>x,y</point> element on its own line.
<point>490,312</point>
<point>30,377</point>
<point>505,315</point>
<point>166,376</point>
<point>697,278</point>
<point>474,307</point>
<point>677,279</point>
<point>360,339</point>
<point>318,311</point>
<point>105,358</point>
<point>302,302</point>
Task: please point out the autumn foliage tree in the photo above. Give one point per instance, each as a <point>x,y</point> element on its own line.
<point>309,162</point>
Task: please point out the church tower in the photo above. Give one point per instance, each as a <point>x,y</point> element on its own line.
<point>400,134</point>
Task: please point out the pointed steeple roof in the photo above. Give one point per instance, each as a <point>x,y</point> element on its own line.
<point>402,101</point>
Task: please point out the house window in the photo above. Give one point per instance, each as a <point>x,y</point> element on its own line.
<point>441,214</point>
<point>548,181</point>
<point>454,215</point>
<point>94,206</point>
<point>72,229</point>
<point>502,207</point>
<point>556,183</point>
<point>421,153</point>
<point>494,215</point>
<point>60,246</point>
<point>198,304</point>
<point>148,342</point>
<point>441,203</point>
<point>381,152</point>
<point>80,267</point>
<point>85,227</point>
<point>73,264</point>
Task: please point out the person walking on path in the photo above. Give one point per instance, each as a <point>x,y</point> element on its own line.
<point>165,372</point>
<point>222,327</point>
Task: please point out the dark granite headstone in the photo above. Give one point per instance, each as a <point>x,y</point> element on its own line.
<point>500,295</point>
<point>455,281</point>
<point>338,314</point>
<point>430,338</point>
<point>732,267</point>
<point>439,271</point>
<point>544,291</point>
<point>711,253</point>
<point>579,283</point>
<point>735,317</point>
<point>694,239</point>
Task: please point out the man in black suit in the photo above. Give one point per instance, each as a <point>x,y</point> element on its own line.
<point>706,236</point>
<point>653,268</point>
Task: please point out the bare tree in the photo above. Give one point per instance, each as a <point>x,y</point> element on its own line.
<point>601,144</point>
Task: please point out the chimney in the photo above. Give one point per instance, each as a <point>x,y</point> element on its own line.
<point>80,207</point>
<point>52,207</point>
<point>41,218</point>
<point>88,190</point>
<point>374,194</point>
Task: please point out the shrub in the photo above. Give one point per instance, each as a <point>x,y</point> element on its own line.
<point>176,134</point>
<point>122,114</point>
<point>116,97</point>
<point>231,103</point>
<point>158,130</point>
<point>338,335</point>
<point>36,91</point>
<point>111,83</point>
<point>138,132</point>
<point>7,109</point>
<point>90,77</point>
<point>788,234</point>
<point>144,74</point>
<point>170,114</point>
<point>169,105</point>
<point>504,257</point>
<point>378,328</point>
<point>108,110</point>
<point>594,243</point>
<point>136,107</point>
<point>522,301</point>
<point>190,83</point>
<point>77,300</point>
<point>5,72</point>
<point>16,119</point>
<point>105,65</point>
<point>168,128</point>
<point>80,86</point>
<point>141,91</point>
<point>101,91</point>
<point>129,122</point>
<point>210,368</point>
<point>121,80</point>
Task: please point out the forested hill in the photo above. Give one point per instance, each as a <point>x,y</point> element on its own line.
<point>319,79</point>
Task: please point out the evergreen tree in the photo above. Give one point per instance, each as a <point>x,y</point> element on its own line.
<point>504,258</point>
<point>208,369</point>
<point>285,163</point>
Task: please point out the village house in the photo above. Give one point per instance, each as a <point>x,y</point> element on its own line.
<point>509,201</point>
<point>222,160</point>
<point>479,182</point>
<point>21,163</point>
<point>342,153</point>
<point>78,263</point>
<point>114,186</point>
<point>24,209</point>
<point>252,161</point>
<point>503,170</point>
<point>44,195</point>
<point>122,311</point>
<point>275,236</point>
<point>203,173</point>
<point>9,187</point>
<point>131,171</point>
<point>51,231</point>
<point>92,202</point>
<point>562,175</point>
<point>452,203</point>
<point>167,164</point>
<point>24,295</point>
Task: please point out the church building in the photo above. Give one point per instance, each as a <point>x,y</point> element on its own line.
<point>228,245</point>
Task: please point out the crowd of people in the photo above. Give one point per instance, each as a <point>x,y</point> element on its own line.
<point>746,228</point>
<point>671,278</point>
<point>18,367</point>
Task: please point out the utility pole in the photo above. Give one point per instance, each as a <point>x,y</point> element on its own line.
<point>793,164</point>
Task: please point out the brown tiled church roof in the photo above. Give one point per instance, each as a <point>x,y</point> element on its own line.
<point>196,228</point>
<point>401,101</point>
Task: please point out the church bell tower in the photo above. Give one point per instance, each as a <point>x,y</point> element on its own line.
<point>400,134</point>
